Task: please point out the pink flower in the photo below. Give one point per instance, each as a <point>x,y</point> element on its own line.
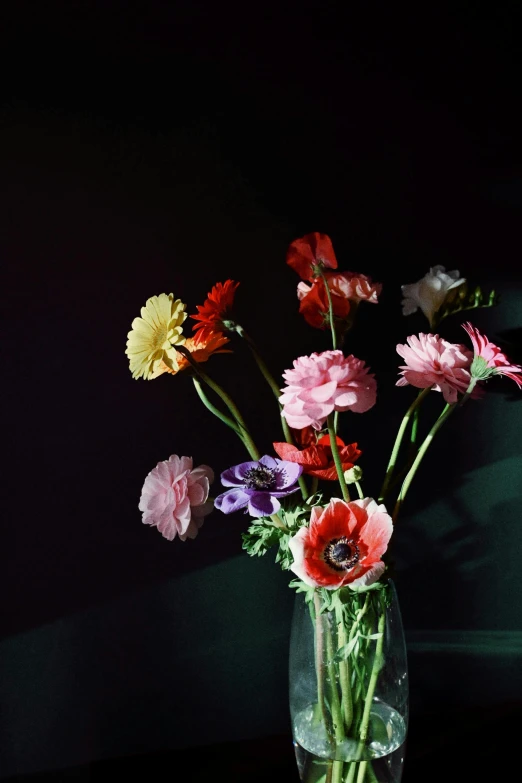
<point>434,362</point>
<point>325,382</point>
<point>489,359</point>
<point>344,287</point>
<point>343,545</point>
<point>174,497</point>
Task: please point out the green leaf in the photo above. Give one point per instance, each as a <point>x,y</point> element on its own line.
<point>260,537</point>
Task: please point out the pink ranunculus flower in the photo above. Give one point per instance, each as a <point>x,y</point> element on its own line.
<point>489,359</point>
<point>325,382</point>
<point>174,497</point>
<point>436,363</point>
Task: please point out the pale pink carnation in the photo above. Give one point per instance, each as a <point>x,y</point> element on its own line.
<point>322,383</point>
<point>174,497</point>
<point>434,362</point>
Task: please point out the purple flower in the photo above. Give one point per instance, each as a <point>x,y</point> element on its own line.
<point>257,485</point>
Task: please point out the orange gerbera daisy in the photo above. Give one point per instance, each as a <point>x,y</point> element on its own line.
<point>202,346</point>
<point>216,308</point>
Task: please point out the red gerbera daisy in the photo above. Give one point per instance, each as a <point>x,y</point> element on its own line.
<point>216,308</point>
<point>202,346</point>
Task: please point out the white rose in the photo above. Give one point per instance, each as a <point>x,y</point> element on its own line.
<point>430,292</point>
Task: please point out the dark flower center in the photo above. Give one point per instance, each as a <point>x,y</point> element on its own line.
<point>341,554</point>
<point>260,478</point>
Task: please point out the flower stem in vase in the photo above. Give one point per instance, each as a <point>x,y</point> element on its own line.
<point>269,378</point>
<point>319,661</point>
<point>245,435</point>
<point>344,671</point>
<point>398,440</point>
<point>337,458</point>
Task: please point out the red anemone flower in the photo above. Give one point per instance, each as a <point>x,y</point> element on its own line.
<point>216,308</point>
<point>317,459</point>
<point>307,253</point>
<point>343,545</point>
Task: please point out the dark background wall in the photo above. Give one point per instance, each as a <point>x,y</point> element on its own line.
<point>153,147</point>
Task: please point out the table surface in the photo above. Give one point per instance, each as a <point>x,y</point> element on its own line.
<point>483,742</point>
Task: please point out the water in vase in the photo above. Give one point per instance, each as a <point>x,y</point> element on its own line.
<point>380,760</point>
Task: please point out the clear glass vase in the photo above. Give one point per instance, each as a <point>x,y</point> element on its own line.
<point>348,679</point>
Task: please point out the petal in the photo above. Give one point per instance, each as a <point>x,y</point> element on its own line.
<point>235,476</point>
<point>269,462</point>
<point>231,501</point>
<point>369,577</point>
<point>263,504</point>
<point>287,474</point>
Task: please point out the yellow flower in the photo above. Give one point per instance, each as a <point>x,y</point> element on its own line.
<point>150,343</point>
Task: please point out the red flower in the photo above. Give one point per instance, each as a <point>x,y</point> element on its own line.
<point>317,459</point>
<point>314,250</point>
<point>313,303</point>
<point>216,308</point>
<point>346,289</point>
<point>201,347</point>
<point>343,544</point>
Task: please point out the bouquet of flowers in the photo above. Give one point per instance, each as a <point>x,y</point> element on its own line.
<point>348,670</point>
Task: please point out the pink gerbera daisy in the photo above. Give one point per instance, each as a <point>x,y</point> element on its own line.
<point>489,359</point>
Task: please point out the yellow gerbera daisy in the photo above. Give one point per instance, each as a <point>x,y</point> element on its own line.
<point>150,343</point>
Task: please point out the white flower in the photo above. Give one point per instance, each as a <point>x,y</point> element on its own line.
<point>430,292</point>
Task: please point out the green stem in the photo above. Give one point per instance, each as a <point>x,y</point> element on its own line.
<point>351,772</point>
<point>337,770</point>
<point>359,489</point>
<point>337,458</point>
<point>335,703</point>
<point>344,672</point>
<point>398,440</point>
<point>212,408</point>
<point>319,664</point>
<point>234,410</point>
<point>267,375</point>
<point>446,413</point>
<point>330,311</point>
<point>377,665</point>
<point>414,428</point>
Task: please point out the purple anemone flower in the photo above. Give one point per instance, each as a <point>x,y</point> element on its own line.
<point>257,485</point>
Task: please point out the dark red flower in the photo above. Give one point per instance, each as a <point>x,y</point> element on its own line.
<point>216,308</point>
<point>317,459</point>
<point>314,250</point>
<point>346,289</point>
<point>314,306</point>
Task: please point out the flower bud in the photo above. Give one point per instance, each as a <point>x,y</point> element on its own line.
<point>353,474</point>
